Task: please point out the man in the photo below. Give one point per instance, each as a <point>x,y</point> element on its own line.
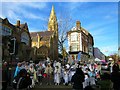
<point>115,77</point>
<point>5,76</point>
<point>78,79</point>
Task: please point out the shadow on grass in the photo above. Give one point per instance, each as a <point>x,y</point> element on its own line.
<point>105,82</point>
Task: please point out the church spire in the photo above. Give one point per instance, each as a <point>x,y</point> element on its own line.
<point>52,11</point>
<point>52,24</point>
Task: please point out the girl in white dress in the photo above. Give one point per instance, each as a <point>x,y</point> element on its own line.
<point>32,75</point>
<point>66,76</point>
<point>57,75</point>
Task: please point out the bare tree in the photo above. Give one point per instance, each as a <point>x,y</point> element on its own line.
<point>65,23</point>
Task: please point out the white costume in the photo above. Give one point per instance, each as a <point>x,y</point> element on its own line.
<point>57,76</point>
<point>86,82</point>
<point>66,74</point>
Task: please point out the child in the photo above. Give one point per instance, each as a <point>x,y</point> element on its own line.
<point>66,74</point>
<point>40,73</point>
<point>57,76</point>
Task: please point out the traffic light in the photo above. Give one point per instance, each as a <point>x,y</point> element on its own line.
<point>11,46</point>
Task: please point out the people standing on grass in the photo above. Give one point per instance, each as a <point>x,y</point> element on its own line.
<point>115,77</point>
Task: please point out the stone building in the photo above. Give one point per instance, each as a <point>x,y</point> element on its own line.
<point>80,41</point>
<point>45,43</point>
<point>22,41</point>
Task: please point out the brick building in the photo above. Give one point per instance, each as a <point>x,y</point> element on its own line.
<point>80,41</point>
<point>22,41</point>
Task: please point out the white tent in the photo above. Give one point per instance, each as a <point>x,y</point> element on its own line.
<point>97,59</point>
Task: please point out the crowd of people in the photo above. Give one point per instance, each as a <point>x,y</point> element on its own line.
<point>80,76</point>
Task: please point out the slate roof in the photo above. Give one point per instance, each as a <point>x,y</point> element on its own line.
<point>44,36</point>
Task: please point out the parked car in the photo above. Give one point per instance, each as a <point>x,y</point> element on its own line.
<point>105,66</point>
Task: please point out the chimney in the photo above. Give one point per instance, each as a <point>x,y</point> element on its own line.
<point>78,24</point>
<point>18,22</point>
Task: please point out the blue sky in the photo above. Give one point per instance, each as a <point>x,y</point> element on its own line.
<point>99,18</point>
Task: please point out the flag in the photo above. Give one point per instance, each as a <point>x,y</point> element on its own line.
<point>79,56</point>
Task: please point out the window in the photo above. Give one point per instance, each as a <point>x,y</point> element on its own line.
<point>74,36</point>
<point>25,38</point>
<point>6,31</point>
<point>74,47</point>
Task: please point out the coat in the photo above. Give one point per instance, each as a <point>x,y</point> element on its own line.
<point>115,78</point>
<point>78,79</point>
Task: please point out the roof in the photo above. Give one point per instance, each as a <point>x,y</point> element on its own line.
<point>41,34</point>
<point>44,36</point>
<point>34,39</point>
<point>22,25</point>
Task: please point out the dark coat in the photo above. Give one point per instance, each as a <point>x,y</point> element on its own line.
<point>78,79</point>
<point>115,78</point>
<point>22,80</point>
<point>5,77</point>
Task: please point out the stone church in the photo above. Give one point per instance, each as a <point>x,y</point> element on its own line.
<point>45,43</point>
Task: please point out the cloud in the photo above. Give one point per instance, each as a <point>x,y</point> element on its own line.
<point>35,5</point>
<point>19,10</point>
<point>60,0</point>
<point>109,49</point>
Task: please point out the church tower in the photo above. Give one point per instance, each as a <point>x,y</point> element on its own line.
<point>53,26</point>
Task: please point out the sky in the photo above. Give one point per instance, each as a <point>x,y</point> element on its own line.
<point>100,19</point>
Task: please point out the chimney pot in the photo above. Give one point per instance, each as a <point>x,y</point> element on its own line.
<point>18,22</point>
<point>78,24</point>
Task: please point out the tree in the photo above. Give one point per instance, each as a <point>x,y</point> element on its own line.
<point>64,53</point>
<point>114,57</point>
<point>65,23</point>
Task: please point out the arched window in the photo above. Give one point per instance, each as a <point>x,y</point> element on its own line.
<point>25,38</point>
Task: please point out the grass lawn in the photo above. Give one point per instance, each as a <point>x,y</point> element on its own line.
<point>105,84</point>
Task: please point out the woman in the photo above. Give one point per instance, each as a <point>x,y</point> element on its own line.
<point>78,79</point>
<point>48,71</point>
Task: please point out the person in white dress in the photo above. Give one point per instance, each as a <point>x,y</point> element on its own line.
<point>57,75</point>
<point>32,75</point>
<point>66,76</point>
<point>48,71</point>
